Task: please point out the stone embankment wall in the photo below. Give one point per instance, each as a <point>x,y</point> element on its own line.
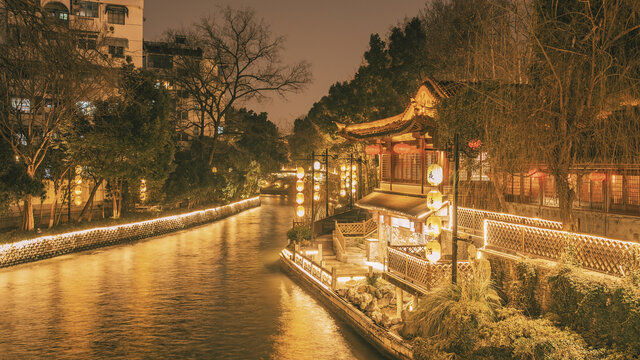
<point>55,245</point>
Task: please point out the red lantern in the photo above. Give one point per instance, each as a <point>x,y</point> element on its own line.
<point>373,149</point>
<point>597,176</point>
<point>401,148</point>
<point>475,144</point>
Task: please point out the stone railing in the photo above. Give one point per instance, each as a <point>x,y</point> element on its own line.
<point>55,245</point>
<point>313,269</point>
<point>474,219</point>
<point>421,271</point>
<point>601,254</point>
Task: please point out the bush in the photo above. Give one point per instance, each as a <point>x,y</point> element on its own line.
<point>299,233</point>
<point>373,279</point>
<point>606,313</point>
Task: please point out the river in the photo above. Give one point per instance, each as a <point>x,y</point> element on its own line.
<point>213,292</point>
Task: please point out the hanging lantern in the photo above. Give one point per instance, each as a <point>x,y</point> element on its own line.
<point>316,165</point>
<point>401,148</point>
<point>373,149</point>
<point>299,198</point>
<point>434,200</point>
<point>316,196</point>
<point>354,168</point>
<point>475,144</point>
<point>78,180</point>
<point>355,182</point>
<point>77,190</point>
<point>300,172</point>
<point>316,187</point>
<point>77,200</point>
<point>299,185</point>
<point>300,211</point>
<point>433,251</point>
<point>78,170</point>
<point>434,174</point>
<point>343,168</point>
<point>353,190</point>
<point>214,169</point>
<point>434,224</point>
<point>343,192</point>
<point>597,176</point>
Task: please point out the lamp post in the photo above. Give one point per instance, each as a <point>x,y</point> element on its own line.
<point>454,216</point>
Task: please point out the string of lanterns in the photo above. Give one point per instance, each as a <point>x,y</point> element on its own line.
<point>434,224</point>
<point>300,195</point>
<point>77,190</point>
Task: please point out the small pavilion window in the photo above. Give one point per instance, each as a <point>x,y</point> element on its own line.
<point>57,11</point>
<point>116,14</point>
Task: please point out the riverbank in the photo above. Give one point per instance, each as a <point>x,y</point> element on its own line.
<point>55,245</point>
<point>321,284</point>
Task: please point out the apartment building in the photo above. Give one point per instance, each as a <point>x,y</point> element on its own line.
<point>115,25</point>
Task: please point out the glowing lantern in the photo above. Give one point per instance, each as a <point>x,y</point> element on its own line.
<point>343,168</point>
<point>299,185</point>
<point>78,170</point>
<point>300,172</point>
<point>343,192</point>
<point>354,168</point>
<point>433,251</point>
<point>316,196</point>
<point>434,200</point>
<point>475,144</point>
<point>597,176</point>
<point>355,182</point>
<point>300,211</point>
<point>473,251</point>
<point>77,190</point>
<point>316,187</point>
<point>299,198</point>
<point>353,190</point>
<point>77,201</point>
<point>434,174</point>
<point>316,165</point>
<point>214,169</point>
<point>401,148</point>
<point>434,224</point>
<point>373,149</point>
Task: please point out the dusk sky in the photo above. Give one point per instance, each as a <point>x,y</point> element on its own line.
<point>332,35</point>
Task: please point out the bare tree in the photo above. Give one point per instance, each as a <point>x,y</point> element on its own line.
<point>44,75</point>
<point>241,61</point>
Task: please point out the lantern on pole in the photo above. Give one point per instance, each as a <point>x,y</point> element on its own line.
<point>300,211</point>
<point>434,200</point>
<point>316,165</point>
<point>433,251</point>
<point>300,172</point>
<point>299,198</point>
<point>316,196</point>
<point>343,192</point>
<point>299,185</point>
<point>434,174</point>
<point>316,187</point>
<point>434,224</point>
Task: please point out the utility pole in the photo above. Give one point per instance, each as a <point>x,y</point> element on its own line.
<point>454,216</point>
<point>326,180</point>
<point>69,196</point>
<point>313,184</point>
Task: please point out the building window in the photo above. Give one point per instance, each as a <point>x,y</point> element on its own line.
<point>86,8</point>
<point>116,14</point>
<point>155,61</point>
<point>21,105</point>
<point>87,42</point>
<point>116,51</point>
<point>183,115</point>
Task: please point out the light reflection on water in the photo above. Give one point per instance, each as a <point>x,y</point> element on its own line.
<point>213,292</point>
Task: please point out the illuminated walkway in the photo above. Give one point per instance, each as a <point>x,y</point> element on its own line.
<point>213,292</point>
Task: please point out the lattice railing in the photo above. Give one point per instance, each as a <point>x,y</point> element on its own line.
<point>417,250</point>
<point>474,219</point>
<point>420,271</point>
<point>314,269</point>
<point>358,229</point>
<point>610,256</point>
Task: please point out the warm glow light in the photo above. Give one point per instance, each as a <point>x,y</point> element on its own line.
<point>299,185</point>
<point>434,224</point>
<point>316,196</point>
<point>434,200</point>
<point>299,198</point>
<point>343,168</point>
<point>354,168</point>
<point>434,174</point>
<point>343,192</point>
<point>373,149</point>
<point>316,187</point>
<point>316,165</point>
<point>433,251</point>
<point>300,172</point>
<point>401,148</point>
<point>77,190</point>
<point>597,176</point>
<point>300,211</point>
<point>77,201</point>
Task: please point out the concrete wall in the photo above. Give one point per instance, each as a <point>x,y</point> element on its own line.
<point>55,245</point>
<point>622,227</point>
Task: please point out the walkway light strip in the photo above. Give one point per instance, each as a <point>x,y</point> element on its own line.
<point>23,243</point>
<point>303,270</point>
<point>550,222</point>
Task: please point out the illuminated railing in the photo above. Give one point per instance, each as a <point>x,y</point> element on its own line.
<point>54,245</point>
<point>359,229</point>
<point>610,256</point>
<point>310,267</point>
<point>421,271</point>
<point>339,241</point>
<point>417,250</point>
<point>474,219</point>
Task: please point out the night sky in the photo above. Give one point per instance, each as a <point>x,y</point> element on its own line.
<point>330,34</point>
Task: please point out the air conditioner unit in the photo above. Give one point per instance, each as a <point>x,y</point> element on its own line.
<point>111,28</point>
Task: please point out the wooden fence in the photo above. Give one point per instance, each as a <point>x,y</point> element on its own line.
<point>474,219</point>
<point>319,273</point>
<point>421,271</point>
<point>615,257</point>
